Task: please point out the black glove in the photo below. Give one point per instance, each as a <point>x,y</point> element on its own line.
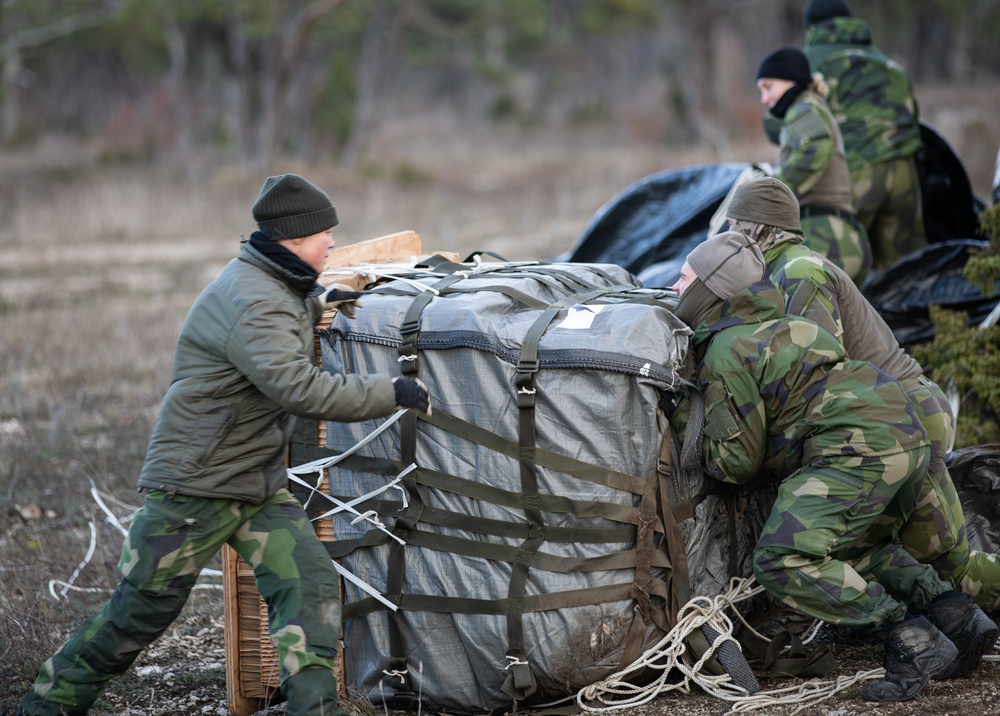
<point>412,393</point>
<point>342,298</point>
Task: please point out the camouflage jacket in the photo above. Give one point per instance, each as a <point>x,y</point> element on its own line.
<point>816,288</point>
<point>244,366</point>
<point>871,96</point>
<point>779,393</point>
<point>811,158</point>
<point>790,264</point>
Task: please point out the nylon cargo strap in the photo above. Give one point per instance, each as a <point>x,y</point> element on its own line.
<point>674,512</point>
<point>396,563</point>
<point>797,662</point>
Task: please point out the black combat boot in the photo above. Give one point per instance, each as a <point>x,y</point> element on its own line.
<point>915,651</point>
<point>960,619</point>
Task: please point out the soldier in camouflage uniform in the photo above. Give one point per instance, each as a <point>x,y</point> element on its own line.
<point>811,161</point>
<point>782,400</point>
<point>872,99</point>
<point>814,288</point>
<point>215,472</point>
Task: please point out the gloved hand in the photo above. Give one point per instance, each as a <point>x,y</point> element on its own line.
<point>412,393</point>
<point>342,298</point>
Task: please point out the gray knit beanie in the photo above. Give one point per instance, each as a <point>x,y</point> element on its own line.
<point>765,200</point>
<point>290,207</point>
<point>727,263</point>
<point>819,10</point>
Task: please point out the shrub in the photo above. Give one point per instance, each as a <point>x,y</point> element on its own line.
<point>968,357</point>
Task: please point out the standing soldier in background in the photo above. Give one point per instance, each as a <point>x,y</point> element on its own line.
<point>872,99</point>
<point>215,472</point>
<point>811,161</point>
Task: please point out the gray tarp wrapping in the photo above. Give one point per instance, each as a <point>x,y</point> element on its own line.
<point>601,373</point>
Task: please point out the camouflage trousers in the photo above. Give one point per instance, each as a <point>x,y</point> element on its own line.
<point>935,533</point>
<point>887,201</point>
<point>829,547</point>
<point>172,538</point>
<point>842,241</point>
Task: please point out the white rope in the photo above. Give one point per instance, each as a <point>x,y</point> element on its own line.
<point>79,568</point>
<point>110,515</point>
<point>103,590</point>
<point>802,695</point>
<point>325,462</point>
<point>371,516</point>
<point>615,693</point>
<point>363,585</point>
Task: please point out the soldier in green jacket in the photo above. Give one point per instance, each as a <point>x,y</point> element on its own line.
<point>816,289</point>
<point>215,470</point>
<point>782,401</point>
<point>873,102</point>
<point>811,161</point>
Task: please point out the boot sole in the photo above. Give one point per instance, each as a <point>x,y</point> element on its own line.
<point>883,690</point>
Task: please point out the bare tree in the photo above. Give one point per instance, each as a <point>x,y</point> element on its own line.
<point>376,68</point>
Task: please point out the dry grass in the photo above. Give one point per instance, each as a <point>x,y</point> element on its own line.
<point>98,265</point>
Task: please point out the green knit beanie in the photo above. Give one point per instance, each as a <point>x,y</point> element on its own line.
<point>290,207</point>
<point>765,200</point>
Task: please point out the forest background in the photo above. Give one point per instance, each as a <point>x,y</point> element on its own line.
<point>135,135</point>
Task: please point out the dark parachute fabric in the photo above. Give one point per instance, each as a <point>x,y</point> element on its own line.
<point>904,292</point>
<point>976,474</point>
<point>950,207</point>
<point>657,220</point>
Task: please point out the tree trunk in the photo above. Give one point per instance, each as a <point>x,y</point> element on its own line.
<point>376,69</point>
<point>10,95</point>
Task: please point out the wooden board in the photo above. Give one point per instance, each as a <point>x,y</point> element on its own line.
<point>356,265</point>
<point>394,248</point>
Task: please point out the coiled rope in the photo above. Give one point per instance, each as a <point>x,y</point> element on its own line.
<point>615,693</point>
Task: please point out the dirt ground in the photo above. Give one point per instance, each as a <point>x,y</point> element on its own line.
<point>162,684</point>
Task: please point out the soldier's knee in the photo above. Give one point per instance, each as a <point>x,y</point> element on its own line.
<point>133,618</point>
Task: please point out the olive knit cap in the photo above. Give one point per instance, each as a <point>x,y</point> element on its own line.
<point>786,63</point>
<point>820,10</point>
<point>765,200</point>
<point>727,263</point>
<point>290,207</point>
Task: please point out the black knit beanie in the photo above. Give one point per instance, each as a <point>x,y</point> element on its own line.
<point>818,10</point>
<point>787,63</point>
<point>290,207</point>
<point>765,200</point>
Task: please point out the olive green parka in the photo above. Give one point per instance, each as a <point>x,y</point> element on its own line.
<point>243,368</point>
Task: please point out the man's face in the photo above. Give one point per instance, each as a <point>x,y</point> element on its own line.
<point>687,276</point>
